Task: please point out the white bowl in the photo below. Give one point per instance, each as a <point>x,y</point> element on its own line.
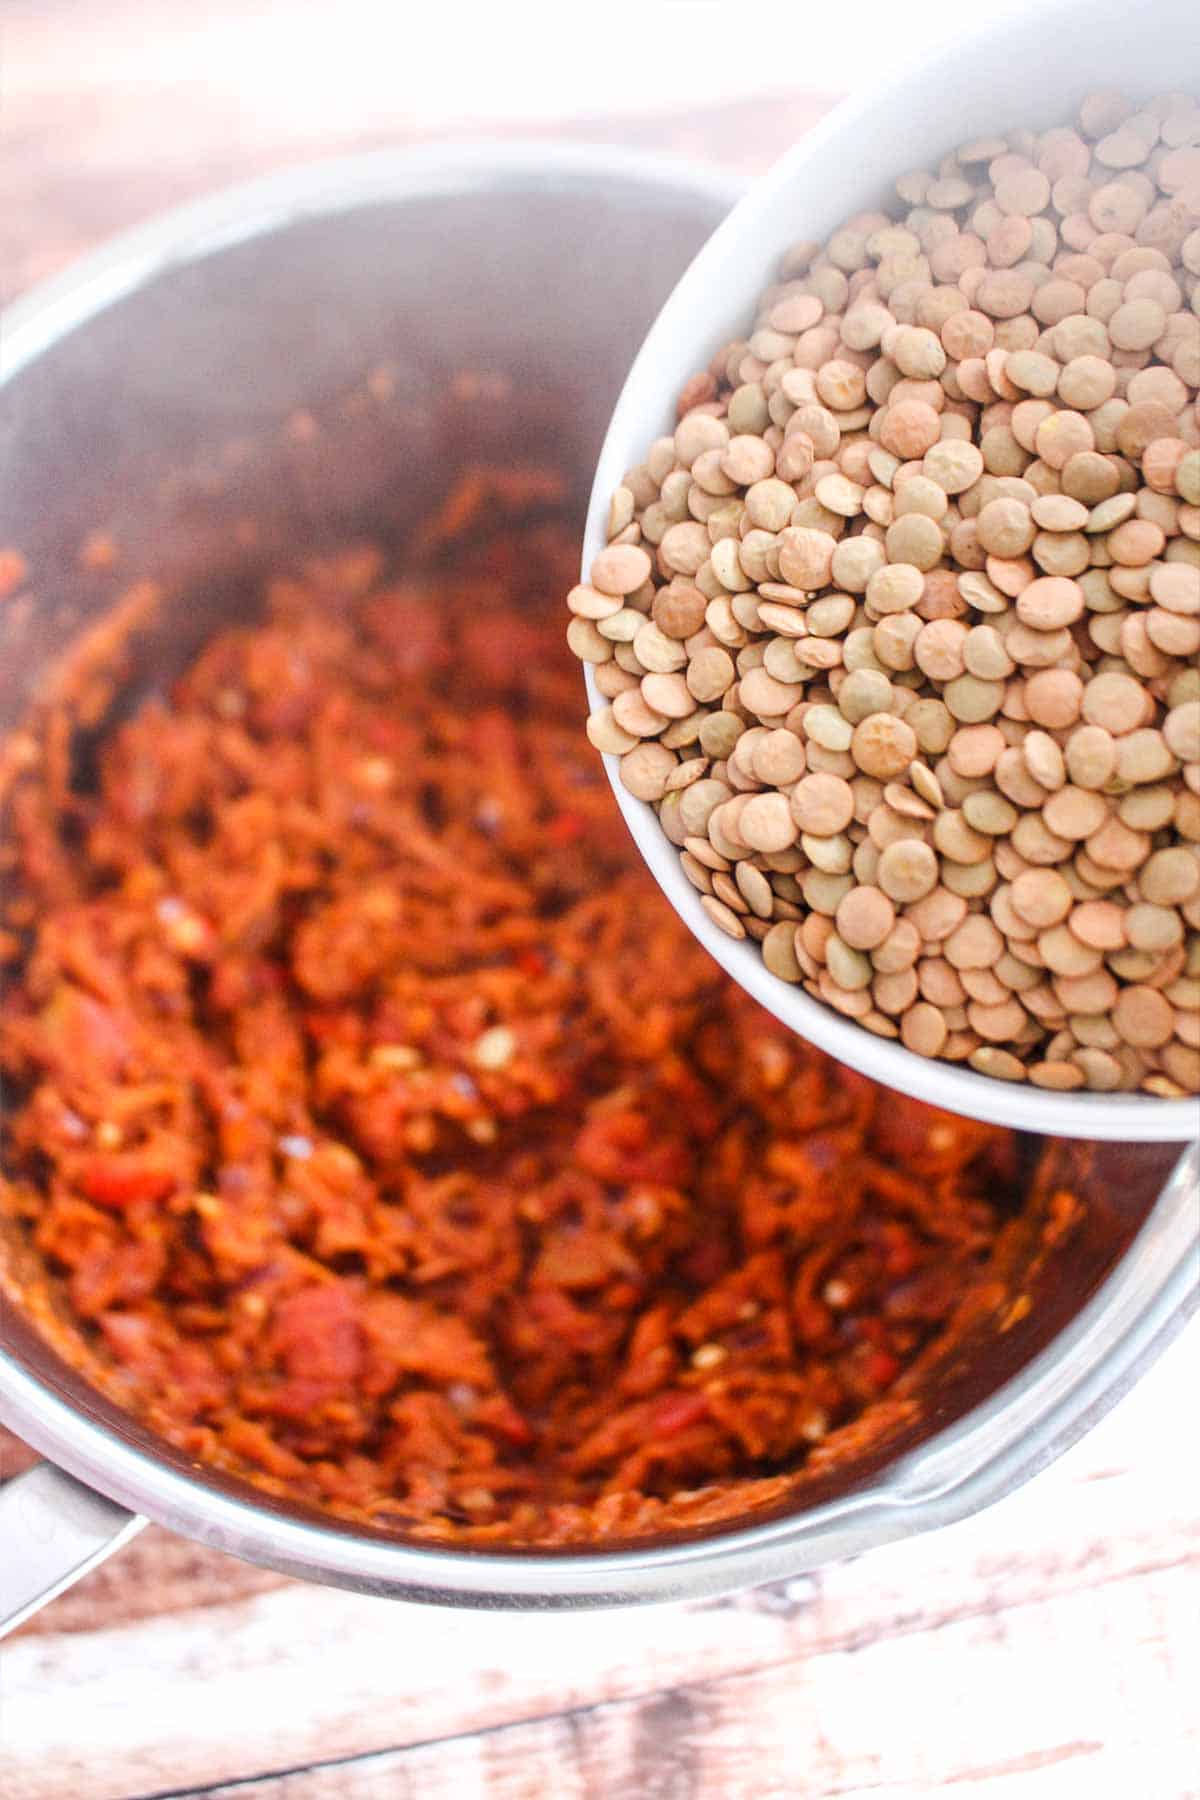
<point>1028,71</point>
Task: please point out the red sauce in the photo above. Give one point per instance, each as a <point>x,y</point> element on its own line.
<point>387,1138</point>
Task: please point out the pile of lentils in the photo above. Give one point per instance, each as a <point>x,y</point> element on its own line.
<point>898,631</point>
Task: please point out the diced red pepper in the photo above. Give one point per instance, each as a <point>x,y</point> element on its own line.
<point>675,1412</point>
<point>124,1177</point>
<point>317,1334</point>
<point>882,1368</point>
<point>565,828</point>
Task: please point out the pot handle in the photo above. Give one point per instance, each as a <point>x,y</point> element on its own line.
<point>53,1529</point>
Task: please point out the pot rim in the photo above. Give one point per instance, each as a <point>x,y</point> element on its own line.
<point>976,1460</point>
<point>237,214</point>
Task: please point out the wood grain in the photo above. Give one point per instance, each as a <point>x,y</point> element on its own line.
<point>1042,1651</point>
<point>799,1730</point>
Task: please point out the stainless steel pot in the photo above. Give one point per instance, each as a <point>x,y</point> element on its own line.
<point>148,391</point>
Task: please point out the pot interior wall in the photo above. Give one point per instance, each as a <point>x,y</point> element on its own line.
<point>192,404</point>
<point>335,377</point>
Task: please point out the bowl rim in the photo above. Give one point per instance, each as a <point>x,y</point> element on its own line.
<point>987,1453</point>
<point>684,318</point>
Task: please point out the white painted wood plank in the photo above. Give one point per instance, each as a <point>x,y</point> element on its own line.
<point>1048,1700</point>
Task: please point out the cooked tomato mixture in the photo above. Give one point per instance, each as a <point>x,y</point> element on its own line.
<point>378,1133</point>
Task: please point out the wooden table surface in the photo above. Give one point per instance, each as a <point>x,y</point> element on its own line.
<point>1046,1649</point>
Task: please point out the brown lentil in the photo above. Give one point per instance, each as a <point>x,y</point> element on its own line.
<point>915,589</point>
